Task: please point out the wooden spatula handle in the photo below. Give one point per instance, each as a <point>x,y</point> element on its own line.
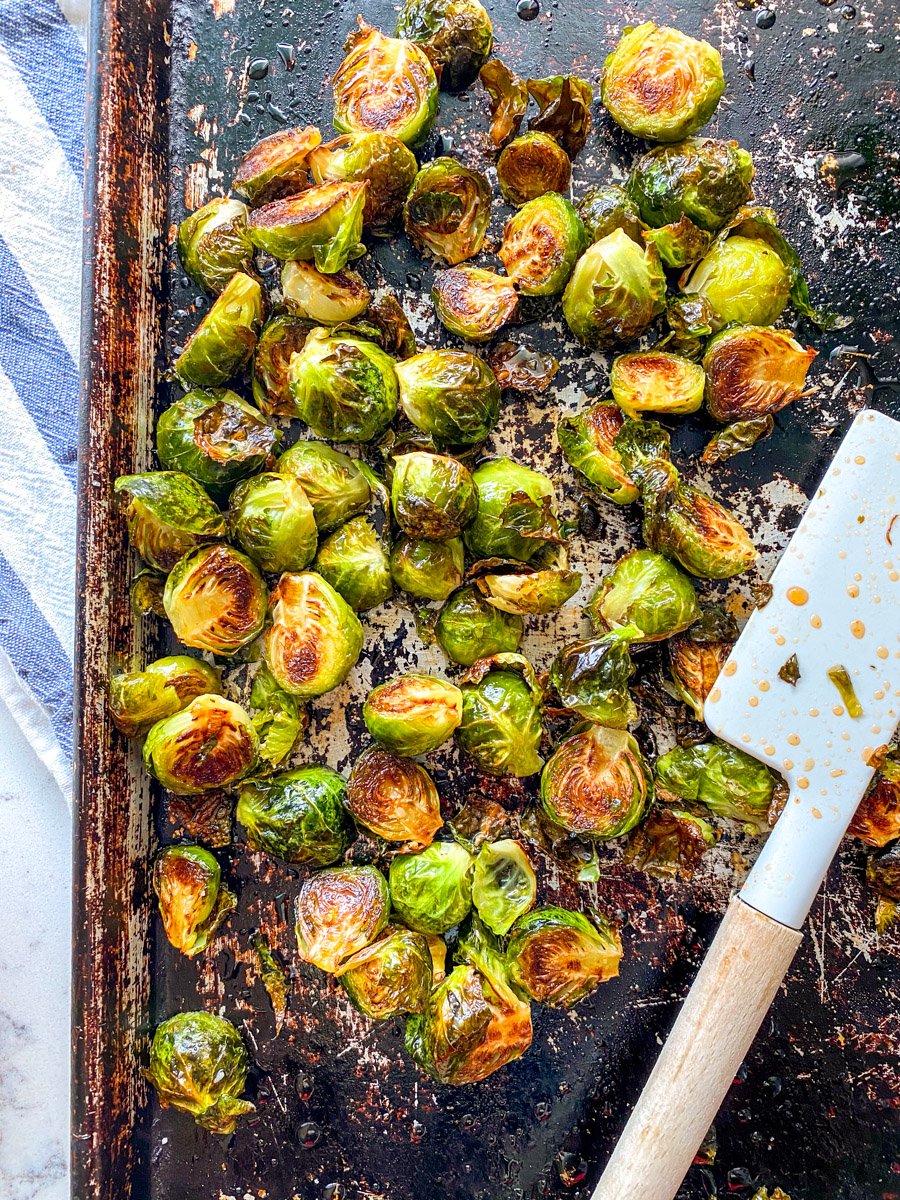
<point>723,1011</point>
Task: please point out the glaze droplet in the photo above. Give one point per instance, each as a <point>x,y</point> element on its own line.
<point>527,10</point>
<point>258,68</point>
<point>797,595</point>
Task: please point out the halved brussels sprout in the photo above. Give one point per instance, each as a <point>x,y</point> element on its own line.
<point>334,484</point>
<point>645,597</point>
<point>754,371</point>
<point>469,628</point>
<point>504,886</point>
<point>138,699</point>
<point>391,977</point>
<point>433,496</point>
<point>653,381</point>
<point>741,279</point>
<point>215,437</point>
<point>215,599</point>
<point>541,244</point>
<point>448,209</point>
<point>313,637</point>
<point>377,158</point>
<point>597,783</point>
<point>704,179</point>
<point>608,207</point>
<point>501,716</point>
<point>455,34</point>
<point>587,440</point>
<point>226,337</point>
<point>210,744</point>
<point>428,570</point>
<point>355,562</point>
<point>344,387</point>
<point>192,901</point>
<point>473,303</point>
<point>413,714</point>
<point>686,524</point>
<point>451,395</point>
<point>678,244</point>
<point>198,1064</point>
<point>394,798</point>
<point>340,911</point>
<point>591,678</point>
<point>661,84</point>
<point>697,656</point>
<point>271,519</point>
<point>725,779</point>
<point>558,957</point>
<point>671,841</point>
<point>281,338</point>
<point>432,890</point>
<point>326,299</point>
<point>214,243</point>
<point>531,165</point>
<point>529,593</point>
<point>384,85</point>
<point>167,514</point>
<point>516,516</point>
<point>508,98</point>
<point>146,593</point>
<point>276,166</point>
<point>297,816</point>
<point>322,224</point>
<point>877,819</point>
<point>615,291</point>
<point>279,719</point>
<point>565,103</point>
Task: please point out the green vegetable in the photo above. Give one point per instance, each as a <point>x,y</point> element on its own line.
<point>473,303</point>
<point>615,291</point>
<point>271,519</point>
<point>297,816</point>
<point>427,570</point>
<point>503,885</point>
<point>193,903</point>
<point>448,209</point>
<point>645,597</point>
<point>587,440</point>
<point>433,496</point>
<point>470,628</point>
<point>516,515</point>
<point>322,224</point>
<point>146,593</point>
<point>705,180</point>
<point>413,714</point>
<point>501,716</point>
<point>609,207</point>
<point>741,279</point>
<point>597,783</point>
<point>591,678</point>
<point>541,244</point>
<point>276,166</point>
<point>877,819</point>
<point>344,387</point>
<point>390,977</point>
<point>670,842</point>
<point>210,744</point>
<point>564,103</point>
<point>340,911</point>
<point>529,593</point>
<point>394,798</point>
<point>736,438</point>
<point>226,337</point>
<point>532,165</point>
<point>215,599</point>
<point>213,243</point>
<point>138,699</point>
<point>725,779</point>
<point>432,890</point>
<point>274,979</point>
<point>277,718</point>
<point>354,561</point>
<point>281,338</point>
<point>376,158</point>
<point>311,295</point>
<point>508,98</point>
<point>697,656</point>
<point>455,34</point>
<point>313,638</point>
<point>450,395</point>
<point>653,381</point>
<point>558,957</point>
<point>334,485</point>
<point>215,437</point>
<point>753,371</point>
<point>678,244</point>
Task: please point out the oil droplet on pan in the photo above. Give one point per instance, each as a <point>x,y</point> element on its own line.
<point>527,10</point>
<point>258,68</point>
<point>765,18</point>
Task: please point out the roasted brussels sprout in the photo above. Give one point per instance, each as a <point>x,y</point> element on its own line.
<point>604,209</point>
<point>214,243</point>
<point>450,395</point>
<point>312,638</point>
<point>428,570</point>
<point>215,599</point>
<point>192,901</point>
<point>276,166</point>
<point>323,224</point>
<point>501,716</point>
<point>725,779</point>
<point>565,103</point>
<point>198,1064</point>
<point>210,744</point>
<point>753,371</point>
<point>297,816</point>
<point>587,440</point>
<point>529,593</point>
<point>279,719</point>
<point>508,98</point>
<point>469,628</point>
<point>736,438</point>
<point>215,437</point>
<point>558,957</point>
<point>645,597</point>
<point>146,593</point>
<point>377,158</point>
<point>226,337</point>
<point>516,516</point>
<point>432,496</point>
<point>596,783</point>
<point>271,519</point>
<point>531,165</point>
<point>455,34</point>
<point>325,299</point>
<point>387,324</point>
<point>281,338</point>
<point>344,387</point>
<point>541,244</point>
<point>704,179</point>
<point>661,84</point>
<point>642,445</point>
<point>384,85</point>
<point>877,819</point>
<point>334,484</point>
<point>432,890</point>
<point>503,885</point>
<point>448,209</point>
<point>671,841</point>
<point>697,656</point>
<point>138,699</point>
<point>167,514</point>
<point>473,303</point>
<point>394,798</point>
<point>413,714</point>
<point>591,678</point>
<point>741,279</point>
<point>883,872</point>
<point>391,977</point>
<point>355,562</point>
<point>678,244</point>
<point>653,381</point>
<point>615,291</point>
<point>340,911</point>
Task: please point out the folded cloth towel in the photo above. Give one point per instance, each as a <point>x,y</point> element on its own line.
<point>42,79</point>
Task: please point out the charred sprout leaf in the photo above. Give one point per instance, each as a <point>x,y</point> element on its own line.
<point>877,820</point>
<point>883,872</point>
<point>384,85</point>
<point>394,797</point>
<point>765,1194</point>
<point>604,209</point>
<point>427,570</point>
<point>529,593</point>
<point>276,166</point>
<point>298,816</point>
<point>762,593</point>
<point>432,890</point>
<point>334,484</point>
<point>325,299</point>
<point>138,699</point>
<point>450,395</point>
<point>646,597</point>
<point>541,244</point>
<point>339,912</point>
<point>390,326</point>
<point>615,291</point>
<point>565,110</point>
<point>588,442</point>
<point>215,599</point>
<point>532,165</point>
<point>455,34</point>
<point>741,279</point>
<point>193,903</point>
<point>280,339</point>
<point>521,368</point>
<point>391,977</point>
<point>558,957</point>
<point>661,84</point>
<point>670,842</point>
<point>146,593</point>
<point>736,438</point>
<point>697,656</point>
<point>678,244</point>
<point>198,1064</point>
<point>690,320</point>
<point>753,371</point>
<point>501,716</point>
<point>641,444</point>
<point>213,243</point>
<point>274,979</point>
<point>277,718</point>
<point>226,337</point>
<point>271,519</point>
<point>474,303</point>
<point>313,637</point>
<point>210,744</point>
<point>703,180</point>
<point>206,818</point>
<point>354,561</point>
<point>376,158</point>
<point>448,209</point>
<point>323,224</point>
<point>215,437</point>
<point>840,677</point>
<point>654,381</point>
<point>433,496</point>
<point>479,820</point>
<point>591,678</point>
<point>596,783</point>
<point>413,714</point>
<point>508,98</point>
<point>516,515</point>
<point>503,885</point>
<point>725,779</point>
<point>344,387</point>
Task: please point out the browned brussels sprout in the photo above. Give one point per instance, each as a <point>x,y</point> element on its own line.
<point>389,326</point>
<point>469,628</point>
<point>558,957</point>
<point>877,819</point>
<point>678,244</point>
<point>394,798</point>
<point>645,597</point>
<point>281,338</point>
<point>725,779</point>
<point>615,291</point>
<point>226,337</point>
<point>278,718</point>
<point>413,714</point>
<point>541,244</point>
<point>323,299</point>
<point>433,496</point>
<point>333,482</point>
<point>138,699</point>
<point>670,842</point>
<point>597,783</point>
<point>736,438</point>
<point>428,570</point>
<point>883,872</point>
<point>703,179</point>
<point>653,381</point>
<point>192,901</point>
<point>344,387</point>
<point>501,718</point>
<point>381,160</point>
<point>313,637</point>
<point>474,303</point>
<point>516,516</point>
<point>508,98</point>
<point>432,890</point>
<point>214,243</point>
<point>529,593</point>
<point>167,514</point>
<point>322,224</point>
<point>642,444</point>
<point>565,110</point>
<point>448,209</point>
<point>210,744</point>
<point>297,816</point>
<point>271,519</point>
<point>603,209</point>
<point>450,395</point>
<point>504,885</point>
<point>531,165</point>
<point>754,371</point>
<point>742,279</point>
<point>146,593</point>
<point>588,442</point>
<point>215,599</point>
<point>661,84</point>
<point>391,977</point>
<point>355,562</point>
<point>591,678</point>
<point>697,656</point>
<point>455,34</point>
<point>215,437</point>
<point>276,166</point>
<point>339,912</point>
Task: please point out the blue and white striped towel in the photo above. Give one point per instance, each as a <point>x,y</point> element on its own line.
<point>42,76</point>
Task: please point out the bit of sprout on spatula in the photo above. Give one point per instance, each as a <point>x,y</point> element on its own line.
<point>841,680</point>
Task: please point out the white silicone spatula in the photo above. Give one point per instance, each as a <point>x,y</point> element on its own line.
<point>835,604</point>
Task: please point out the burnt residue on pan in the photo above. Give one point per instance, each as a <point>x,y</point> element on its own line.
<point>341,1113</point>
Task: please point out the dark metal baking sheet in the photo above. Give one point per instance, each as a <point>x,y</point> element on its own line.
<point>814,1109</point>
